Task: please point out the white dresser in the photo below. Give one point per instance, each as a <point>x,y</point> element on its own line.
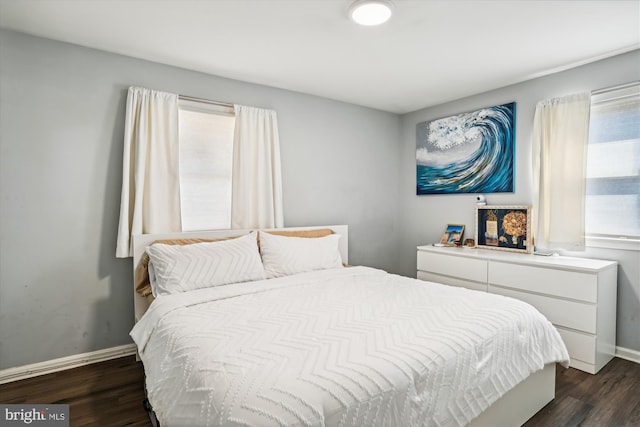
<point>578,295</point>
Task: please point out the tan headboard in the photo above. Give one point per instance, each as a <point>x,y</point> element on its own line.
<point>141,241</point>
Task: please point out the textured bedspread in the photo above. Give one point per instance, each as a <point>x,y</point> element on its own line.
<point>352,346</point>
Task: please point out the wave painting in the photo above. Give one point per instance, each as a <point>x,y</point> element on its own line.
<point>467,153</point>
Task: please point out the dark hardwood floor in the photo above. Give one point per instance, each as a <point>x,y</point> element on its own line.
<point>111,393</point>
<point>103,394</point>
<point>609,399</point>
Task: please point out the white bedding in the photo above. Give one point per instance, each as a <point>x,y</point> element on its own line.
<point>352,346</point>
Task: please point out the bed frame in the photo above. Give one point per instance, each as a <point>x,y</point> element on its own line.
<point>512,409</point>
<point>521,402</point>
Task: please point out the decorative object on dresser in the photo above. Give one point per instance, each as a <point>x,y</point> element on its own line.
<point>467,153</point>
<point>452,234</point>
<point>577,295</point>
<point>506,228</point>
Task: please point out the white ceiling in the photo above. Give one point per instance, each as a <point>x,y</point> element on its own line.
<point>430,52</point>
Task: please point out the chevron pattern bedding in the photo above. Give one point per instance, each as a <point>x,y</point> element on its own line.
<point>343,347</point>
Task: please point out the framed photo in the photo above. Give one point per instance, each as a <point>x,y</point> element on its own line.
<point>452,233</point>
<point>467,153</point>
<point>505,228</point>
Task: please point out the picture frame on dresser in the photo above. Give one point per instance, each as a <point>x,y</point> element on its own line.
<point>452,234</point>
<point>504,228</point>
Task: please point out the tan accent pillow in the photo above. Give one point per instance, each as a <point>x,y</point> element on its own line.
<point>142,283</point>
<point>150,298</point>
<point>319,232</point>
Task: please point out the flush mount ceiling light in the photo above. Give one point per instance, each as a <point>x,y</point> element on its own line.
<point>370,12</point>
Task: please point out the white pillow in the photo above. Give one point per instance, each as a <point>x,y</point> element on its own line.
<point>283,255</point>
<point>202,265</point>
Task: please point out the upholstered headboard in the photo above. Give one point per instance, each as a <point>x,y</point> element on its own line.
<point>141,241</point>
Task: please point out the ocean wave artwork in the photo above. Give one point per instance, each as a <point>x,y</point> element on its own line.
<point>468,153</point>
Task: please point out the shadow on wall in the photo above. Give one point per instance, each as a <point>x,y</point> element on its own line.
<point>118,272</point>
<point>113,315</point>
<point>629,301</point>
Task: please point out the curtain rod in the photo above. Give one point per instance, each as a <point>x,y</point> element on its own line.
<point>205,101</point>
<point>608,89</point>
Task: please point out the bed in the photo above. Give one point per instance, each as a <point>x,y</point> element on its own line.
<point>320,346</point>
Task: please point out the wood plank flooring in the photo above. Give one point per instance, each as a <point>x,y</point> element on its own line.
<point>609,399</point>
<point>102,394</point>
<point>111,393</point>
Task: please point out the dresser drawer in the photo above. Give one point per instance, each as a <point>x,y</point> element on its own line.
<point>450,265</point>
<point>570,314</point>
<point>452,281</point>
<point>562,283</point>
<point>578,295</point>
<point>580,346</point>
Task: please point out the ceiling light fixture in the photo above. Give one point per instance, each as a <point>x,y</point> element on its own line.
<point>370,12</point>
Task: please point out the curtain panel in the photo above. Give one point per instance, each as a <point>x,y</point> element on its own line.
<point>257,181</point>
<point>150,200</point>
<point>560,137</point>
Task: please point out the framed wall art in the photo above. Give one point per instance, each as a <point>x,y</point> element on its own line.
<point>453,233</point>
<point>506,228</point>
<point>468,153</point>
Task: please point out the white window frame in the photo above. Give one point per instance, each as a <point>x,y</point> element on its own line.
<point>610,241</point>
<point>623,243</point>
<point>213,109</point>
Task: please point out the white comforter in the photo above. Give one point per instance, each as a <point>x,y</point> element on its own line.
<point>352,346</point>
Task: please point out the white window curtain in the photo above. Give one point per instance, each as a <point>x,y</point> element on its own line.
<point>257,181</point>
<point>560,136</point>
<point>150,201</point>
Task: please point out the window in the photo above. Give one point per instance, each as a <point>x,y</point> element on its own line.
<point>206,158</point>
<point>612,204</point>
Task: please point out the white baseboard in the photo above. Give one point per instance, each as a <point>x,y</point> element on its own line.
<point>628,354</point>
<point>63,363</point>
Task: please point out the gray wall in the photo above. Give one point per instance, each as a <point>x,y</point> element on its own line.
<point>62,291</point>
<point>424,217</point>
